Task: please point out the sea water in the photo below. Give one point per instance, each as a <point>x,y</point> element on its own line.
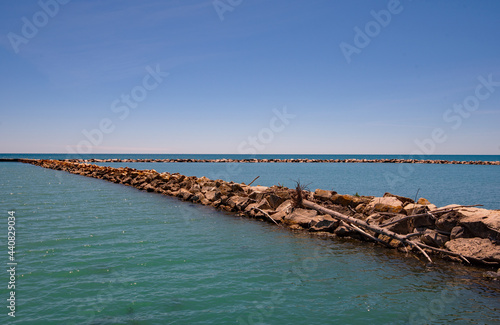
<point>94,252</point>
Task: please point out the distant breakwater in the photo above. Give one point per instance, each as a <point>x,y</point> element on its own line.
<point>277,160</point>
<point>462,234</point>
<point>293,160</point>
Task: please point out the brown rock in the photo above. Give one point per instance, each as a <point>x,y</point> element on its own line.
<point>301,217</point>
<point>433,238</point>
<point>481,222</point>
<point>326,223</point>
<point>448,221</point>
<point>238,203</point>
<point>323,195</point>
<point>401,225</point>
<point>285,206</point>
<point>212,195</point>
<point>263,205</point>
<point>403,199</point>
<point>423,201</point>
<point>274,200</point>
<point>349,200</point>
<point>343,230</point>
<point>225,189</point>
<point>236,188</point>
<point>459,232</point>
<point>414,208</point>
<point>385,204</point>
<point>184,194</point>
<point>278,216</point>
<point>480,248</point>
<point>205,201</point>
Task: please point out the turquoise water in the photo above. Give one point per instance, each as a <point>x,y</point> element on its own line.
<point>93,252</point>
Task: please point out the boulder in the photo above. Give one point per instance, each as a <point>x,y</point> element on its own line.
<point>263,204</point>
<point>285,206</point>
<point>401,225</point>
<point>198,197</point>
<point>481,222</point>
<point>274,200</point>
<point>212,195</point>
<point>326,223</point>
<point>459,232</point>
<point>322,195</point>
<point>480,248</point>
<point>434,238</point>
<point>204,201</point>
<point>301,217</point>
<point>349,200</point>
<point>403,199</point>
<point>278,216</point>
<point>448,221</point>
<point>225,189</point>
<point>423,201</point>
<point>344,231</point>
<point>237,203</point>
<point>184,194</point>
<point>256,192</point>
<point>415,208</point>
<point>236,188</point>
<point>385,204</point>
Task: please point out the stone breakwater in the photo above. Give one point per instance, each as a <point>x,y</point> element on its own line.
<point>295,160</point>
<point>457,233</point>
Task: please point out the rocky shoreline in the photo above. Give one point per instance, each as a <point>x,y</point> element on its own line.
<point>464,234</point>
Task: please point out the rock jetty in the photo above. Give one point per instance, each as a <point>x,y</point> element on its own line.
<point>464,234</point>
<point>293,160</point>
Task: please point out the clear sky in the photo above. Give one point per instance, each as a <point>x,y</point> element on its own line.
<point>250,76</point>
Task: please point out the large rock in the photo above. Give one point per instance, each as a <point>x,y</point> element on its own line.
<point>212,195</point>
<point>326,223</point>
<point>184,194</point>
<point>448,221</point>
<point>256,192</point>
<point>285,206</point>
<point>481,222</point>
<point>415,208</point>
<point>302,217</point>
<point>349,200</point>
<point>274,200</point>
<point>434,238</point>
<point>385,204</point>
<point>400,225</point>
<point>323,195</point>
<point>403,199</point>
<point>237,203</point>
<point>480,248</point>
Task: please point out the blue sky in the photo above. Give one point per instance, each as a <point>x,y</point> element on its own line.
<point>227,66</point>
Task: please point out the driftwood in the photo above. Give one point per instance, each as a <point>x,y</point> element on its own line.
<point>266,214</point>
<point>361,231</point>
<point>430,213</point>
<point>403,239</point>
<point>253,180</point>
<point>363,224</point>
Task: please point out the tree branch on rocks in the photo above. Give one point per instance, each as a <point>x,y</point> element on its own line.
<point>266,214</point>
